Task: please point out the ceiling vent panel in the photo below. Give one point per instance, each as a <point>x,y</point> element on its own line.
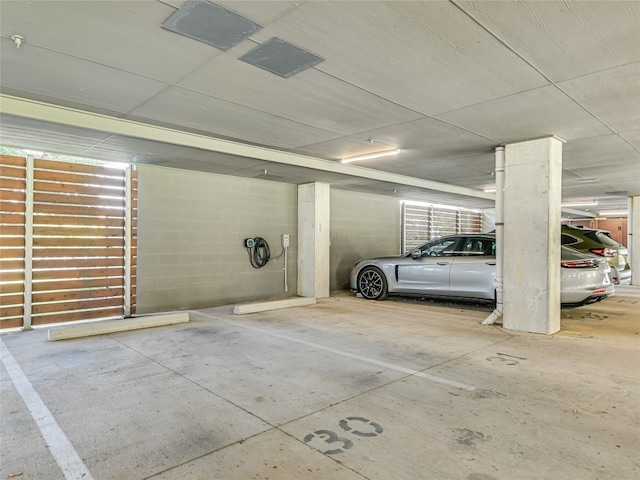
<point>209,23</point>
<point>280,57</point>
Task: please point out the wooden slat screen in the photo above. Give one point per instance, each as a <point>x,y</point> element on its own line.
<point>470,221</point>
<point>445,222</point>
<point>12,240</point>
<point>416,226</point>
<point>78,242</point>
<point>422,223</point>
<point>77,228</point>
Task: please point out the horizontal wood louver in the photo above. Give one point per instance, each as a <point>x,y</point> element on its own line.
<point>445,222</point>
<point>416,226</point>
<point>422,223</point>
<point>78,242</point>
<point>12,240</point>
<point>470,221</point>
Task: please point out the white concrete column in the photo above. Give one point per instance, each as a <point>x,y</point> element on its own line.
<point>314,202</point>
<point>633,239</point>
<point>532,197</point>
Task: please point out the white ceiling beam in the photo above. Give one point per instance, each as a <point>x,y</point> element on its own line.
<point>68,116</point>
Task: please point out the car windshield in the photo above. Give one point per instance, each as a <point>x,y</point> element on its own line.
<point>601,237</point>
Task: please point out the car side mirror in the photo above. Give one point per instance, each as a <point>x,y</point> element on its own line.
<point>416,254</point>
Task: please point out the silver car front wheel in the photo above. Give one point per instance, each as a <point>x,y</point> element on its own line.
<point>372,284</point>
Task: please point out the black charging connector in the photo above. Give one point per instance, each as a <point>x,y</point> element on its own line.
<point>258,250</point>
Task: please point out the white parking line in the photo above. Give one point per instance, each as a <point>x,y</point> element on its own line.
<point>72,466</point>
<point>354,356</point>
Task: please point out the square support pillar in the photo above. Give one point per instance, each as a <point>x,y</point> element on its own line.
<point>532,217</point>
<point>314,205</point>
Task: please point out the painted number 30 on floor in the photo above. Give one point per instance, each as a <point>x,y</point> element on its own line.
<point>358,426</point>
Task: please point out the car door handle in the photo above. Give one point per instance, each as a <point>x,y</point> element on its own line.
<point>490,262</point>
<point>442,263</point>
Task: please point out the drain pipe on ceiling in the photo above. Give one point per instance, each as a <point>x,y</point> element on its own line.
<point>496,315</point>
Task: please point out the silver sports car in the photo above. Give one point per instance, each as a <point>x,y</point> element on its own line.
<point>464,267</point>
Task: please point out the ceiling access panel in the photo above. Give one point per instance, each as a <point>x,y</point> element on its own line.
<point>281,57</point>
<point>209,23</point>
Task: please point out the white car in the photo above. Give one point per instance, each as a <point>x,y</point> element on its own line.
<point>464,267</point>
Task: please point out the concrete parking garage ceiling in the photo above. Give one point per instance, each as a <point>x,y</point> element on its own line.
<point>443,81</point>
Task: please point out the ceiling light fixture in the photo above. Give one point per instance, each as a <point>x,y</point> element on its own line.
<point>615,213</point>
<point>580,204</point>
<point>18,40</point>
<point>371,156</point>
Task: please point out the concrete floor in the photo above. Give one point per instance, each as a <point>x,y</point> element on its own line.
<point>345,389</point>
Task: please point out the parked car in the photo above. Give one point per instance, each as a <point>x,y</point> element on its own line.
<point>464,267</point>
<point>599,242</point>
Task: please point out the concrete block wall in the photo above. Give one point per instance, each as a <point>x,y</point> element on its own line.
<point>190,239</point>
<point>362,226</point>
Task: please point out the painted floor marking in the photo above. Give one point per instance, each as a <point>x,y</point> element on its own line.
<point>354,356</point>
<point>67,458</point>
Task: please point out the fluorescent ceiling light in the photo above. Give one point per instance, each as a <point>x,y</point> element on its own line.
<point>615,213</point>
<point>580,204</point>
<point>371,156</point>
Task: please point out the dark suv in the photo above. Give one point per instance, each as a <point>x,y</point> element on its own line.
<point>600,243</point>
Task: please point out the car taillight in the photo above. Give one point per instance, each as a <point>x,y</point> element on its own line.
<point>579,264</point>
<point>603,252</point>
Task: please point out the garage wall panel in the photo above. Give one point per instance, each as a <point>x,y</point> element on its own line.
<point>362,226</point>
<point>191,227</point>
